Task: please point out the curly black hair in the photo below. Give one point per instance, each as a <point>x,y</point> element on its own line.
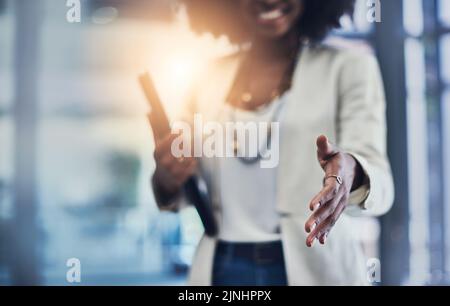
<point>219,18</point>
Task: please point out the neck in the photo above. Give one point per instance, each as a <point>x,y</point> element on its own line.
<point>280,49</point>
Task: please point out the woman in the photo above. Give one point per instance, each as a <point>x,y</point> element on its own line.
<point>269,219</point>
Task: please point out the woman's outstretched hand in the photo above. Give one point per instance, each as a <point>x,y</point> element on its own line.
<point>342,175</point>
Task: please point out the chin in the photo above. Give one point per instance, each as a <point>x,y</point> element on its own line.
<point>272,19</point>
<point>273,34</point>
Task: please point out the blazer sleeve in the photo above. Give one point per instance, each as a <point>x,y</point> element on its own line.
<point>361,132</point>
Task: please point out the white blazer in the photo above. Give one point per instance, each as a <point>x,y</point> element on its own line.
<point>338,93</point>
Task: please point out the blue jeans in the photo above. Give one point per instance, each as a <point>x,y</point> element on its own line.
<point>249,264</point>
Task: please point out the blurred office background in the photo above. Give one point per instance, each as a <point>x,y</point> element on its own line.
<point>76,150</point>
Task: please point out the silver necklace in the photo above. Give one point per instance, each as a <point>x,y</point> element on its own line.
<point>246,98</point>
<point>249,160</point>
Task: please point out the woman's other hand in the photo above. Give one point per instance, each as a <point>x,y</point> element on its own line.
<point>171,172</point>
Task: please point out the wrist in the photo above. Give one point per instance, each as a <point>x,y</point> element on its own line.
<point>357,172</point>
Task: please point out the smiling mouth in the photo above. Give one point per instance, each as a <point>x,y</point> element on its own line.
<point>272,14</point>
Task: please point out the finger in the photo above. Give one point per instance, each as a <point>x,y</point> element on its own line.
<point>177,166</point>
<point>168,179</point>
<point>325,149</point>
<point>177,176</point>
<point>328,192</point>
<point>322,213</point>
<point>188,172</point>
<point>169,165</point>
<point>325,227</point>
<point>323,235</point>
<point>187,164</point>
<point>182,164</point>
<point>323,238</point>
<point>310,240</point>
<point>192,166</point>
<point>164,146</point>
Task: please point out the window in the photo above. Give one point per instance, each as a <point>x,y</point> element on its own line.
<point>444,12</point>
<point>95,154</point>
<point>6,132</point>
<point>413,238</point>
<point>444,18</point>
<point>427,56</point>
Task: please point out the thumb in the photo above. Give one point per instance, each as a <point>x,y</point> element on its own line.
<point>325,149</point>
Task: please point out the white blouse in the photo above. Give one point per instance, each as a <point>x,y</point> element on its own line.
<point>248,192</point>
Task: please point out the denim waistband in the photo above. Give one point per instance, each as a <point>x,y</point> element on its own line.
<point>258,252</point>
